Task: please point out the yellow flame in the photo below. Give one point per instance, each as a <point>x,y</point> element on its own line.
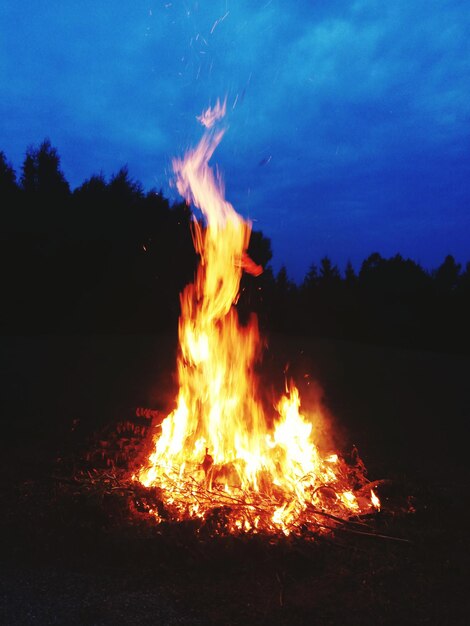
<point>216,446</point>
<point>375,500</point>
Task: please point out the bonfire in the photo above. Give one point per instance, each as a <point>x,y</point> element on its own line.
<point>219,453</point>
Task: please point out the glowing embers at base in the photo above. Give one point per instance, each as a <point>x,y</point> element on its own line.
<point>217,454</point>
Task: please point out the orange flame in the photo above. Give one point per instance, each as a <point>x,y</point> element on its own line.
<point>216,449</point>
<point>210,116</point>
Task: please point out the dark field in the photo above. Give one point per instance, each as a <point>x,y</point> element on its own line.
<point>75,558</point>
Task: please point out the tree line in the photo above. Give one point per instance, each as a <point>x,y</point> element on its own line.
<point>111,257</point>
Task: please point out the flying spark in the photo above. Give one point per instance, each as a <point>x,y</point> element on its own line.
<point>217,22</point>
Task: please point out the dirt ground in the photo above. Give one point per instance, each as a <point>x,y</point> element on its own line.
<point>75,558</point>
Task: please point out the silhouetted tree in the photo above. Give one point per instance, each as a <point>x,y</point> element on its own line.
<point>284,308</point>
<point>110,257</point>
<point>446,276</point>
<point>46,193</point>
<point>351,315</point>
<point>307,299</point>
<point>124,188</point>
<point>329,304</point>
<point>369,267</point>
<point>42,173</point>
<point>90,205</point>
<point>284,285</point>
<point>449,312</point>
<point>259,248</point>
<point>11,221</point>
<point>8,183</point>
<point>310,281</point>
<point>350,275</point>
<point>329,273</point>
<point>464,282</point>
<point>255,291</point>
<point>93,187</point>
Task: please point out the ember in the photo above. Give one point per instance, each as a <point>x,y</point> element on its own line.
<point>218,451</point>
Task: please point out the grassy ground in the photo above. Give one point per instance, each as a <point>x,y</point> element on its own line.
<point>75,558</point>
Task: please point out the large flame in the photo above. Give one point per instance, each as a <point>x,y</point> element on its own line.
<point>216,448</point>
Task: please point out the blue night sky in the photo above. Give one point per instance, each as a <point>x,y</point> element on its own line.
<point>348,122</point>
